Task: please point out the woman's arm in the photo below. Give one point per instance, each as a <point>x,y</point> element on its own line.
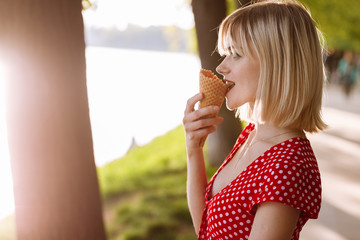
<point>196,186</point>
<point>274,221</point>
<point>196,127</point>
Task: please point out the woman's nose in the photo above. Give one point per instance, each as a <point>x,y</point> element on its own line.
<point>221,68</point>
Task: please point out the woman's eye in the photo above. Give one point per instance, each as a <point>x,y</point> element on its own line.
<point>235,55</point>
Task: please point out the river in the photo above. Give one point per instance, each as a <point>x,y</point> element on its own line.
<point>136,94</point>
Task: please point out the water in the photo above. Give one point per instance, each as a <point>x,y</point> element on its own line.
<point>136,94</point>
<point>132,94</point>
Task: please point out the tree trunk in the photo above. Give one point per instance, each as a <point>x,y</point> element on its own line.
<point>208,15</point>
<point>55,183</point>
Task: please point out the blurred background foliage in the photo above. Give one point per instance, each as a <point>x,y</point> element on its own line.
<point>86,4</point>
<point>339,22</point>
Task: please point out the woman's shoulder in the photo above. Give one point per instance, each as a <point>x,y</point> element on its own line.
<point>290,175</point>
<point>292,153</point>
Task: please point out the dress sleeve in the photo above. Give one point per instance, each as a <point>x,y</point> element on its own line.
<point>294,182</point>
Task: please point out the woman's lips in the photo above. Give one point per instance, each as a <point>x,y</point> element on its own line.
<point>230,84</point>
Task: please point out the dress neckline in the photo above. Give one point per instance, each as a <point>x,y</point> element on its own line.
<point>242,138</point>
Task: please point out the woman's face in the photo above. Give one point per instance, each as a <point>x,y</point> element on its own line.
<point>244,72</point>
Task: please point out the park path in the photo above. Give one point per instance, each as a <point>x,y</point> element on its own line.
<point>338,152</point>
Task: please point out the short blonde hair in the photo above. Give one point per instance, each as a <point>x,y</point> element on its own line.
<point>283,37</point>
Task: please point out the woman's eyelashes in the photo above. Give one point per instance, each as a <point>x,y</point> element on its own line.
<point>235,55</point>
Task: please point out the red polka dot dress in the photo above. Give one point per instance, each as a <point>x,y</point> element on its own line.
<point>287,173</point>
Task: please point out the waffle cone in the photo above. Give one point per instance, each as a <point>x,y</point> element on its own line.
<point>213,89</point>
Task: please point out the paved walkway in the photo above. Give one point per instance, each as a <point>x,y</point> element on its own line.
<point>338,153</point>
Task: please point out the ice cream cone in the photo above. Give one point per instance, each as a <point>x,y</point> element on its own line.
<point>213,88</point>
<point>214,91</point>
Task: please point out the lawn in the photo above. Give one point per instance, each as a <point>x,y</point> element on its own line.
<point>144,192</point>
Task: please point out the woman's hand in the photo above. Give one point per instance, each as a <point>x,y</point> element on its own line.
<point>196,125</point>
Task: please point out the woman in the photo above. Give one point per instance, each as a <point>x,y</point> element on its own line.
<point>269,185</point>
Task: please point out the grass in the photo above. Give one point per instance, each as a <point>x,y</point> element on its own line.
<point>144,193</point>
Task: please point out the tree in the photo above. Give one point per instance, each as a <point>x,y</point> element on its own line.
<point>208,15</point>
<point>336,20</point>
<point>55,183</point>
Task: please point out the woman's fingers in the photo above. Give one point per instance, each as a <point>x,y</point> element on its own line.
<point>200,133</point>
<point>200,113</point>
<point>191,103</point>
<point>202,123</point>
<point>196,130</point>
<point>197,123</point>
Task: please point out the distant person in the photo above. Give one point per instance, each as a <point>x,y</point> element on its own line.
<point>269,186</point>
<point>331,63</point>
<point>348,71</point>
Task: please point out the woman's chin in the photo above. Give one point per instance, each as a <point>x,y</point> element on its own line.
<point>229,106</point>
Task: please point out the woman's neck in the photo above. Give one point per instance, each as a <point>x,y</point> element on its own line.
<point>265,131</point>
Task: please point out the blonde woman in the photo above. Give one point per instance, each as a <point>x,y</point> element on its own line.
<point>269,185</point>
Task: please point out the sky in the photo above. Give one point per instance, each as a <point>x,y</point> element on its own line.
<point>105,14</point>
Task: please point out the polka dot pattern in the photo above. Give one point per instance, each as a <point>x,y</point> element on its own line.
<point>287,173</point>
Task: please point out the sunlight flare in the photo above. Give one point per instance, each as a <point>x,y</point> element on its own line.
<point>6,189</point>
